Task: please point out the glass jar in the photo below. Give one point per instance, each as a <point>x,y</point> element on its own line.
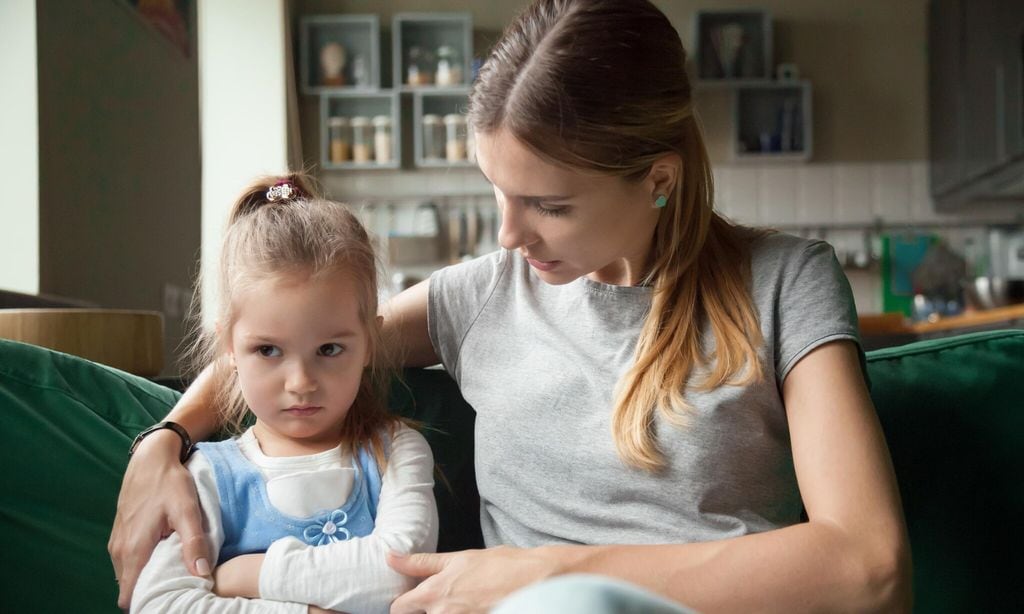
<point>382,139</point>
<point>419,67</point>
<point>455,140</point>
<point>340,139</point>
<point>433,137</point>
<point>449,66</point>
<point>362,139</point>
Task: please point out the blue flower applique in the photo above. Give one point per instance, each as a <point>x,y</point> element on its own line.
<point>330,530</point>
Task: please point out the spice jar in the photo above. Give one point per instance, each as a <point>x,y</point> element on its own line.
<point>340,140</point>
<point>433,137</point>
<point>419,67</point>
<point>382,139</point>
<point>455,141</point>
<point>449,68</point>
<point>362,141</point>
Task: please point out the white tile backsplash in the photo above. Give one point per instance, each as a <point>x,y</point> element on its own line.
<point>892,187</point>
<point>815,194</point>
<point>854,194</point>
<point>777,201</point>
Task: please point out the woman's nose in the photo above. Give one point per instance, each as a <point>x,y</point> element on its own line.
<point>514,232</point>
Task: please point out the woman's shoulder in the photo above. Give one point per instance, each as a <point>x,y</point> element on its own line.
<point>780,252</point>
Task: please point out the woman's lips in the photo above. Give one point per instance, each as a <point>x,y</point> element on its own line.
<point>541,265</point>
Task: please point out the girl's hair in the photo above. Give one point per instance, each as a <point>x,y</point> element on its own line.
<point>297,233</point>
<point>601,85</point>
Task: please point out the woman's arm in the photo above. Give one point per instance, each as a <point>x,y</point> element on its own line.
<point>166,585</point>
<point>852,555</point>
<point>353,575</point>
<point>405,327</point>
<point>158,495</point>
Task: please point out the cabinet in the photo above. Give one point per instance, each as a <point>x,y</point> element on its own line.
<point>431,49</point>
<point>771,119</point>
<point>976,101</point>
<point>339,53</point>
<point>376,148</point>
<point>362,126</point>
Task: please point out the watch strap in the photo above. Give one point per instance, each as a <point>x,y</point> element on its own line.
<point>187,446</point>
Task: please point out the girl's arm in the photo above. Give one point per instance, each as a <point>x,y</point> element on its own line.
<point>166,585</point>
<point>158,495</point>
<point>353,575</point>
<point>852,555</point>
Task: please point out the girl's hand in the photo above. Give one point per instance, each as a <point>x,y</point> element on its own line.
<point>472,580</point>
<point>157,497</point>
<point>239,577</point>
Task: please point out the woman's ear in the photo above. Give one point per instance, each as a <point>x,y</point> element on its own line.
<point>662,179</point>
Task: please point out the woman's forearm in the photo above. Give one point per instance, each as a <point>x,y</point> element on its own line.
<point>806,567</point>
<point>195,410</point>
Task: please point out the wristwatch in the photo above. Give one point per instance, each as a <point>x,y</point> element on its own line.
<point>186,442</point>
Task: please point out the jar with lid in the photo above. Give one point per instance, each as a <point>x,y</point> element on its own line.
<point>339,134</point>
<point>419,67</point>
<point>449,66</point>
<point>382,139</point>
<point>362,140</point>
<point>433,137</point>
<point>455,141</point>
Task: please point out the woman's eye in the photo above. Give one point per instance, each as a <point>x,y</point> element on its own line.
<point>331,349</point>
<point>552,210</point>
<point>268,351</point>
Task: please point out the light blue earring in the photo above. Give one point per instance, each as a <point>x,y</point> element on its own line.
<point>661,201</point>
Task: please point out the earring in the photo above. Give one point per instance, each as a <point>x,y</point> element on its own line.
<point>661,201</point>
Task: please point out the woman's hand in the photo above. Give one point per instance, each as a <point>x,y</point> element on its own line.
<point>472,580</point>
<point>157,497</point>
<point>239,577</point>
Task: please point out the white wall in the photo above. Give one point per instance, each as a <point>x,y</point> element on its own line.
<point>243,102</point>
<point>19,148</point>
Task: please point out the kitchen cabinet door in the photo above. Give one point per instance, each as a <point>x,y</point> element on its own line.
<point>982,77</point>
<point>946,119</point>
<point>1010,109</point>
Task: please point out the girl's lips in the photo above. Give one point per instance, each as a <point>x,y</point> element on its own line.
<point>307,410</point>
<point>540,265</point>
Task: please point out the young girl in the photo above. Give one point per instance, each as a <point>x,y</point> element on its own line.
<point>297,344</point>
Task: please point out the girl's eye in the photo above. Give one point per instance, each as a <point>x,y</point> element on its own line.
<point>331,349</point>
<point>268,351</point>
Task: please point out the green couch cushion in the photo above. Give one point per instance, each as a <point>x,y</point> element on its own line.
<point>67,425</point>
<point>953,414</point>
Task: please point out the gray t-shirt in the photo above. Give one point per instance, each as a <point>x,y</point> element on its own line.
<point>539,363</point>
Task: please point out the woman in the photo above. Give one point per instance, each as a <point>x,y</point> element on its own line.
<point>644,372</point>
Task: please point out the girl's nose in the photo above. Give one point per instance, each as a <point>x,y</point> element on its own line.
<point>300,379</point>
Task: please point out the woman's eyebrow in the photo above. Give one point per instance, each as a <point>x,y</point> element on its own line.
<point>530,197</point>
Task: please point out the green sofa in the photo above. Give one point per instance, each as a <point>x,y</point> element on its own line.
<point>952,410</point>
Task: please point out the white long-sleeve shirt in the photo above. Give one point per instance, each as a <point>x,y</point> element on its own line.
<point>351,575</point>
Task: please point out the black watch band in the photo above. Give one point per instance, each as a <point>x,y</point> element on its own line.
<point>186,441</point>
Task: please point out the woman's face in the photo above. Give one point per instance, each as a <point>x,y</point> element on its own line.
<point>568,223</point>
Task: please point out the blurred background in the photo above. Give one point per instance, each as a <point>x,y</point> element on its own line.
<point>892,130</point>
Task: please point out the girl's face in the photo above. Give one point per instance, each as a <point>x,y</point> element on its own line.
<point>300,348</point>
<point>568,223</point>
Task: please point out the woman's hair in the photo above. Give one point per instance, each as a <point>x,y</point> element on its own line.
<point>601,85</point>
<point>297,233</point>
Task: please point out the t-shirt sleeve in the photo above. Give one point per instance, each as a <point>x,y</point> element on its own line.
<point>458,294</point>
<point>814,306</point>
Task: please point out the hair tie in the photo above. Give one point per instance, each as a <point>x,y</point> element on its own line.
<point>283,190</point>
